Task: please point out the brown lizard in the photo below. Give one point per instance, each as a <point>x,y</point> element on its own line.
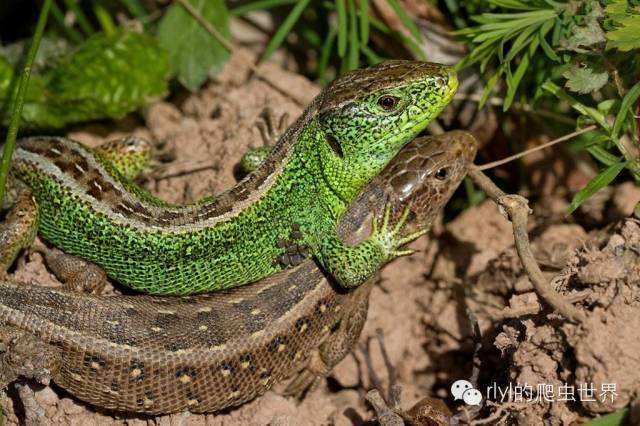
<point>157,355</point>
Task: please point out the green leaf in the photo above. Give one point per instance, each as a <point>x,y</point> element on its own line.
<point>354,45</point>
<point>513,81</point>
<point>626,36</point>
<point>584,36</point>
<point>616,9</point>
<point>596,184</point>
<point>284,29</point>
<point>603,156</point>
<point>325,52</point>
<point>596,115</point>
<point>585,79</point>
<point>406,20</point>
<point>105,77</point>
<point>194,54</point>
<point>629,99</point>
<point>605,106</point>
<point>488,88</point>
<point>546,47</point>
<point>342,27</point>
<point>364,22</point>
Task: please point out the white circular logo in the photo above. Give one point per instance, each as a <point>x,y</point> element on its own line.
<point>463,389</point>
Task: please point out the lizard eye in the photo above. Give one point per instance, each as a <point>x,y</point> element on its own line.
<point>388,102</point>
<point>442,173</point>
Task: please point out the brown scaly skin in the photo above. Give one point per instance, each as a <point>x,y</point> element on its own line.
<point>18,229</point>
<point>157,355</point>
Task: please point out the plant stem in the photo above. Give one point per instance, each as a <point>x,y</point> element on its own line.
<point>108,27</point>
<point>537,148</point>
<point>17,100</point>
<point>206,24</point>
<point>81,18</point>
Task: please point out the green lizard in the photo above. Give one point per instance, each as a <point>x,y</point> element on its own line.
<point>88,207</point>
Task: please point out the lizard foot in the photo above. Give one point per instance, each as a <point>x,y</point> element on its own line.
<point>392,240</point>
<point>75,273</point>
<point>271,127</point>
<point>270,131</point>
<point>24,356</point>
<point>295,253</point>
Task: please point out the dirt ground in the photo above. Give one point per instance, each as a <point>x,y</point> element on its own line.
<point>421,303</point>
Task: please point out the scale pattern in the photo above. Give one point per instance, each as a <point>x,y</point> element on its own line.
<point>154,355</point>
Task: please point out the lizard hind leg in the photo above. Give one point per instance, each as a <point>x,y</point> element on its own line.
<point>131,155</point>
<point>22,355</point>
<point>19,228</point>
<point>25,357</point>
<point>75,273</point>
<point>336,347</point>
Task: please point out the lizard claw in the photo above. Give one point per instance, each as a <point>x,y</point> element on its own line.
<point>270,127</point>
<point>391,240</point>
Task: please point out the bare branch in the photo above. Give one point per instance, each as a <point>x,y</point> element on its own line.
<point>517,208</point>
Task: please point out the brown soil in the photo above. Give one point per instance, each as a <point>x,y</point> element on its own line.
<point>421,302</point>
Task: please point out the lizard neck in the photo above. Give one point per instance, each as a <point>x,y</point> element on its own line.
<point>312,142</point>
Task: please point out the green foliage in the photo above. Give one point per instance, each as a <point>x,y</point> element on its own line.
<point>194,54</point>
<point>585,79</point>
<point>625,26</point>
<point>338,32</point>
<point>530,49</point>
<point>284,29</point>
<point>617,418</point>
<point>603,179</point>
<point>105,77</point>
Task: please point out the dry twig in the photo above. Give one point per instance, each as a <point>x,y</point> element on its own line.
<point>534,149</point>
<point>517,209</point>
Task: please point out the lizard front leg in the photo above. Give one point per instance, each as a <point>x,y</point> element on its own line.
<point>353,265</point>
<point>271,129</point>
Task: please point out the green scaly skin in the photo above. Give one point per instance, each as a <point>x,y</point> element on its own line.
<point>287,209</point>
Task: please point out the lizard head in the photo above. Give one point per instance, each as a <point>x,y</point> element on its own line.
<point>366,116</point>
<point>427,171</point>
